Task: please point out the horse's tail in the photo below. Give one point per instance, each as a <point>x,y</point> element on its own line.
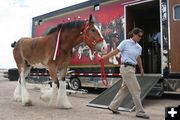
<point>13,44</point>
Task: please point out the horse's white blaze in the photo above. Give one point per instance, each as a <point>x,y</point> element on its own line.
<point>62,99</point>
<point>99,31</point>
<point>103,45</point>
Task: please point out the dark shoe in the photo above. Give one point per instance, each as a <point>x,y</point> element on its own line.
<point>114,111</point>
<point>142,115</point>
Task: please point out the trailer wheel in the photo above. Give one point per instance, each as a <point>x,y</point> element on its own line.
<point>75,84</point>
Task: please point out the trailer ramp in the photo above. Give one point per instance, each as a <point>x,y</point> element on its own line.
<point>146,82</point>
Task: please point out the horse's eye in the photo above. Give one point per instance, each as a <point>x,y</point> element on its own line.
<point>93,30</point>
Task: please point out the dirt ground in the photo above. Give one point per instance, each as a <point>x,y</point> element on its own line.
<point>10,110</point>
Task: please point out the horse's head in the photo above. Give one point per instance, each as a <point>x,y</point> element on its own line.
<point>93,37</point>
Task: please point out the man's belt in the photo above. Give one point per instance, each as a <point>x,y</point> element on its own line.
<point>128,64</point>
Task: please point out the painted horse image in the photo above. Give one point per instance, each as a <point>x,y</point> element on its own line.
<point>41,52</point>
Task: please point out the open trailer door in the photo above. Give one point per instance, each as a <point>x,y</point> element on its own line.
<point>174,17</point>
<point>146,15</point>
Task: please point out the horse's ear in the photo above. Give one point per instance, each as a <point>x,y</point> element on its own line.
<point>90,18</point>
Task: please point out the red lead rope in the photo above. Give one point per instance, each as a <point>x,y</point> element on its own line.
<point>103,75</point>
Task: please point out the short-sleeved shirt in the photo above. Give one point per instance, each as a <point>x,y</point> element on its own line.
<point>129,50</point>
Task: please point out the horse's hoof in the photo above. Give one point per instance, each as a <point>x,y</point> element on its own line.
<point>45,98</point>
<point>67,106</point>
<point>29,103</point>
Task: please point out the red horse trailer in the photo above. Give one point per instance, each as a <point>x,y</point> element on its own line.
<point>159,19</point>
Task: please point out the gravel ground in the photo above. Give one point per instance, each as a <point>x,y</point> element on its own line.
<point>10,110</point>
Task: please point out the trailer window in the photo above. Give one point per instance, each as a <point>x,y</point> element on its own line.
<point>177,12</point>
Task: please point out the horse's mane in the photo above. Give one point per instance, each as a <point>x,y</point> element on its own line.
<point>68,25</point>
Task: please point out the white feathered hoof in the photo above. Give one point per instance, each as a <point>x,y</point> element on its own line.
<point>17,97</point>
<point>17,94</point>
<point>65,105</point>
<point>62,99</point>
<point>26,100</point>
<point>27,103</point>
<point>44,98</point>
<point>46,95</point>
<point>49,95</point>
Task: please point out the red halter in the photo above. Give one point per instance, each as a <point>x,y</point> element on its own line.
<point>92,42</point>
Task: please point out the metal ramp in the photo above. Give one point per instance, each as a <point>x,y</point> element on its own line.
<point>146,82</point>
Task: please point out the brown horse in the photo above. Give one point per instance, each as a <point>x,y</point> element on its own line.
<point>41,53</point>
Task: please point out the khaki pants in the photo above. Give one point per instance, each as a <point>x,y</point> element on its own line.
<point>129,85</point>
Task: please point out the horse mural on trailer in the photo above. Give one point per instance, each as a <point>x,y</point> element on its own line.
<point>39,52</point>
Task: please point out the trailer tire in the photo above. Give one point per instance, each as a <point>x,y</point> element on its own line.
<point>75,84</point>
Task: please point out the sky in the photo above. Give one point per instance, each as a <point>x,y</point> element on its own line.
<point>16,22</point>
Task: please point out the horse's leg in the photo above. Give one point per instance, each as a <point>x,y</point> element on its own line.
<point>53,92</point>
<point>17,93</point>
<point>50,95</point>
<point>62,99</point>
<point>26,100</point>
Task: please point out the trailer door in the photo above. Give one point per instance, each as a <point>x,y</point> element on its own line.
<point>174,16</point>
<point>146,15</point>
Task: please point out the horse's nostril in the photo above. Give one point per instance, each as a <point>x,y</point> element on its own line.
<point>104,49</point>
